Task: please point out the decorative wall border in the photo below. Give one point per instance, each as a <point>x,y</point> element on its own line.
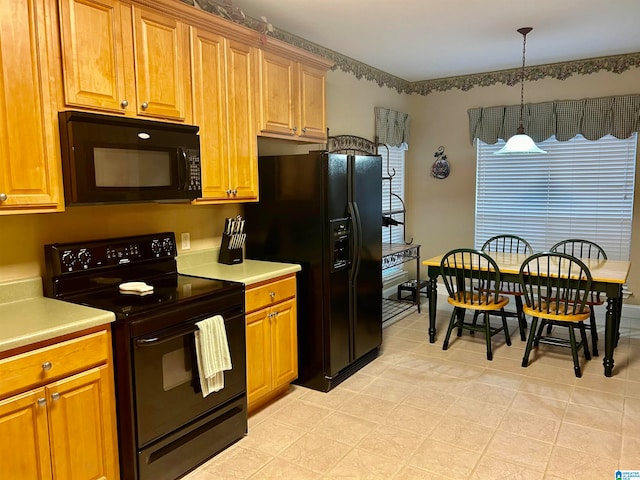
<point>560,71</point>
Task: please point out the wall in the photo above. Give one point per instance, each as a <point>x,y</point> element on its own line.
<point>23,236</point>
<point>350,110</point>
<point>441,212</point>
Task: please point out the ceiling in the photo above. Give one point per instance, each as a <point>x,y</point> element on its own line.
<point>429,39</point>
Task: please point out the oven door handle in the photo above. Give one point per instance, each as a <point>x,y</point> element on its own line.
<point>150,341</point>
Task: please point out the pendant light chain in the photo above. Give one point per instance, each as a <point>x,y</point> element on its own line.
<point>524,32</point>
<point>521,143</point>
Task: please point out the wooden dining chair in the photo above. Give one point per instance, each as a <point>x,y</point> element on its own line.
<point>585,249</point>
<point>472,279</point>
<point>511,244</point>
<point>556,287</point>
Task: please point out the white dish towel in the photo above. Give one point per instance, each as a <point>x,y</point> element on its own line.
<point>212,352</point>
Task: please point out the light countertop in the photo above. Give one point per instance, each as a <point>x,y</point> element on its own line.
<point>204,263</point>
<point>27,317</point>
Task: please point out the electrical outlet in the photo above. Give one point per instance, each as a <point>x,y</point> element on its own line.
<point>185,240</point>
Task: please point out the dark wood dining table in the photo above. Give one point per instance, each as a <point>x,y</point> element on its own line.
<point>608,278</point>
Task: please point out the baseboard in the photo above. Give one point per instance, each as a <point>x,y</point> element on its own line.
<point>631,311</point>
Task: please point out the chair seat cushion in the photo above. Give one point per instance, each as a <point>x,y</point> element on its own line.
<point>552,311</point>
<point>475,301</point>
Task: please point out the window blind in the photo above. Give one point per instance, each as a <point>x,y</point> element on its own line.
<point>392,192</point>
<point>393,183</point>
<point>579,189</point>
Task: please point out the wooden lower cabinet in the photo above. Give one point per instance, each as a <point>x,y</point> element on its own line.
<point>64,428</point>
<point>24,437</point>
<point>272,341</point>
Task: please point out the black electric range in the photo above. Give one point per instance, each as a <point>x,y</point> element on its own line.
<point>165,425</point>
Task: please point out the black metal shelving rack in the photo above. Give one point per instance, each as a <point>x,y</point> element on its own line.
<point>393,254</point>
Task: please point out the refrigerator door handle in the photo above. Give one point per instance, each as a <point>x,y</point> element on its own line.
<point>358,240</point>
<point>356,227</point>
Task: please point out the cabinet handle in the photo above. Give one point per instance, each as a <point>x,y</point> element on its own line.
<point>144,105</point>
<point>46,366</point>
<point>124,104</point>
<point>42,402</point>
<point>234,191</point>
<point>55,396</point>
<point>272,295</point>
<point>3,197</point>
<point>229,192</point>
<point>304,130</point>
<point>295,129</point>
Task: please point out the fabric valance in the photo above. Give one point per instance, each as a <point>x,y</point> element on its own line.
<point>593,118</point>
<point>392,127</point>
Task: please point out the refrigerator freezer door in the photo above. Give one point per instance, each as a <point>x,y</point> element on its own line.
<point>367,196</point>
<point>338,328</point>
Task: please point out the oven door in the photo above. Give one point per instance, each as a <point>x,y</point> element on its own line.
<point>166,383</point>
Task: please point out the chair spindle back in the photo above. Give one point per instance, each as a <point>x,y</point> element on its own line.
<point>469,273</point>
<point>507,244</point>
<point>580,248</point>
<point>555,283</point>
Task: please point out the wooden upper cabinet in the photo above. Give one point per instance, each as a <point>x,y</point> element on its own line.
<point>122,58</point>
<point>162,65</point>
<point>312,102</point>
<point>210,111</point>
<point>30,172</point>
<point>224,108</point>
<point>93,29</point>
<point>278,94</point>
<point>243,143</point>
<point>292,98</point>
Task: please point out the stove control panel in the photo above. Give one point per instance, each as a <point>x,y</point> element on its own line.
<point>63,258</point>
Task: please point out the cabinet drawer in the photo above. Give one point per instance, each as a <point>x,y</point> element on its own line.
<point>270,293</point>
<point>28,369</point>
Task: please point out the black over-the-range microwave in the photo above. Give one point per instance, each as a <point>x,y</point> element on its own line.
<point>110,159</point>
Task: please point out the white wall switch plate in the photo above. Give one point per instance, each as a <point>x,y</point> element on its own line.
<point>185,240</point>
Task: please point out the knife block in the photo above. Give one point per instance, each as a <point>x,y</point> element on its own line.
<point>228,255</point>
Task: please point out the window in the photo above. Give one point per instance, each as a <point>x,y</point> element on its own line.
<point>579,189</point>
<point>393,198</point>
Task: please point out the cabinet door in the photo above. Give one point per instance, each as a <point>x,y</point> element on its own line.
<point>24,437</point>
<point>277,95</point>
<point>210,111</point>
<point>258,355</point>
<point>162,65</point>
<point>242,140</point>
<point>30,178</point>
<point>93,60</point>
<point>312,103</point>
<point>284,343</point>
<point>82,425</point>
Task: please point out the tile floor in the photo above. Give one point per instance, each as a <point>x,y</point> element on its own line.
<point>418,412</point>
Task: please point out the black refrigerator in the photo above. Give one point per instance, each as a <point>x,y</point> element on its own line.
<point>324,212</point>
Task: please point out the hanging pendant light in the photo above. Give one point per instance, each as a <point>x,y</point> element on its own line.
<point>521,144</point>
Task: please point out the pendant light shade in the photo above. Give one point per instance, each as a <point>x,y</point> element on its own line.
<point>521,144</point>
